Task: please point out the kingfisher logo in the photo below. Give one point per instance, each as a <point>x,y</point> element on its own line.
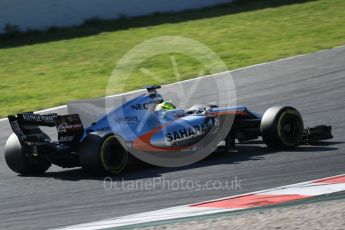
<point>187,135</point>
<point>38,118</point>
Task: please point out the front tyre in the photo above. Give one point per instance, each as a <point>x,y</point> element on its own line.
<point>18,161</point>
<point>282,127</point>
<point>102,154</point>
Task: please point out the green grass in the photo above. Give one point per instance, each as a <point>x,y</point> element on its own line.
<point>40,70</point>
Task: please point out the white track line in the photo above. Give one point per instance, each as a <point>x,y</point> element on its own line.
<point>197,78</point>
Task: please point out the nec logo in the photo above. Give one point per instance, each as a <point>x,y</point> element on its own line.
<point>140,106</point>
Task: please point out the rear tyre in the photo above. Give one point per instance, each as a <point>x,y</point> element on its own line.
<point>102,154</point>
<point>19,162</point>
<point>282,127</point>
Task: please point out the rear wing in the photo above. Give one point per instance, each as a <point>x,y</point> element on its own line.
<point>26,127</point>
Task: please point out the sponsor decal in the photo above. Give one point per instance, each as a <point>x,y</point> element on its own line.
<point>103,129</point>
<point>62,147</point>
<point>186,135</point>
<point>145,106</point>
<point>36,117</point>
<point>18,130</point>
<point>127,119</point>
<point>129,145</point>
<point>66,138</point>
<point>64,127</point>
<point>178,114</point>
<point>140,106</point>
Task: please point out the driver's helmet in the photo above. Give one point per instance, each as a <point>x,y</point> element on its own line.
<point>165,106</point>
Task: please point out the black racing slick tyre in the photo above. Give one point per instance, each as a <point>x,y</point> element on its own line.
<point>282,127</point>
<point>18,162</point>
<point>102,154</point>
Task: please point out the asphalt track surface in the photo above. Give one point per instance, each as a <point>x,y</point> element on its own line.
<point>315,84</point>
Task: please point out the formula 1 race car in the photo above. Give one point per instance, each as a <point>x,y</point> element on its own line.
<point>106,146</point>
